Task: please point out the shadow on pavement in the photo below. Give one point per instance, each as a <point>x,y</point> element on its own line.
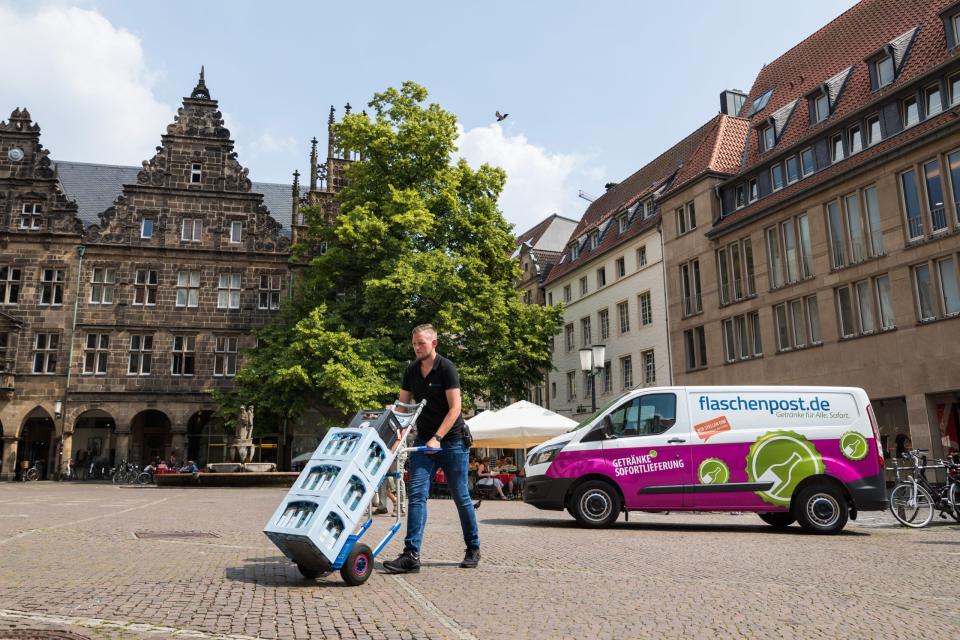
<point>660,526</point>
<point>277,571</point>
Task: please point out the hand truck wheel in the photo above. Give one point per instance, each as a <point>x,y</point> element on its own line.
<point>359,565</point>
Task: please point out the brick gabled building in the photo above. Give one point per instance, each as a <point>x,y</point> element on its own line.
<point>114,328</point>
<point>833,253</point>
<point>610,280</point>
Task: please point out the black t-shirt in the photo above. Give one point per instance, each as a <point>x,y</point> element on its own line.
<point>433,387</point>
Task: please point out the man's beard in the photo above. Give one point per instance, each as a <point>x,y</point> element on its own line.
<point>423,357</point>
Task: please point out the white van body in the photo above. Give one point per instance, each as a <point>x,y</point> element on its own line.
<point>807,454</point>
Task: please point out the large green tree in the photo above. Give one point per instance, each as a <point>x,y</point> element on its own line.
<point>419,238</point>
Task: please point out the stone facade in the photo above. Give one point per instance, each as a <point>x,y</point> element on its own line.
<point>112,334</point>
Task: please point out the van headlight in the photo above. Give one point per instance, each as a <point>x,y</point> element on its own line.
<point>547,455</point>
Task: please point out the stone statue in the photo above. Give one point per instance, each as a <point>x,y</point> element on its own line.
<point>245,431</point>
<point>242,448</point>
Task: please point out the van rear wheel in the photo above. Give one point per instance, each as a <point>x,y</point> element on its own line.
<point>779,519</point>
<point>821,508</point>
<point>595,504</point>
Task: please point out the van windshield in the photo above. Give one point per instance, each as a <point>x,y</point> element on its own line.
<point>593,416</point>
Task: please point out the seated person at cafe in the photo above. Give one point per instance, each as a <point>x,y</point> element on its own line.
<point>487,478</point>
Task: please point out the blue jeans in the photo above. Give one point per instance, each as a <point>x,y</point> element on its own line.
<point>453,459</point>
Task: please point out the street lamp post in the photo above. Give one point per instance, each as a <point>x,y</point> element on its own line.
<point>591,361</point>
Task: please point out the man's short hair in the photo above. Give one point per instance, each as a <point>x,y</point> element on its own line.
<point>424,328</point>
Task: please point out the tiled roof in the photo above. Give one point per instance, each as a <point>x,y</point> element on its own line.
<point>823,59</point>
<point>94,187</point>
<point>713,147</point>
<point>642,183</point>
<point>720,151</point>
<point>945,119</point>
<point>534,234</point>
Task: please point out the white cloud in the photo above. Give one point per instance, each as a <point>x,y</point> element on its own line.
<point>84,81</point>
<point>538,182</point>
<point>270,143</point>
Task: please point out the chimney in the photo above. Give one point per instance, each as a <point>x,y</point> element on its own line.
<point>731,101</point>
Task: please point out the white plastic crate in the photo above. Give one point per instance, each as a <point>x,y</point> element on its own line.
<point>361,446</point>
<point>323,527</point>
<point>342,483</point>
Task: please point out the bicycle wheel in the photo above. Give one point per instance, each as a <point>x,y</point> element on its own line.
<point>909,508</point>
<point>33,474</point>
<point>954,497</point>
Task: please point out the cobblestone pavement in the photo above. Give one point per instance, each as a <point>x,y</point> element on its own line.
<point>70,560</point>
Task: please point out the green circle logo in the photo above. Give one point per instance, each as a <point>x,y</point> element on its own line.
<point>854,446</point>
<point>781,459</point>
<point>713,471</point>
<point>653,453</point>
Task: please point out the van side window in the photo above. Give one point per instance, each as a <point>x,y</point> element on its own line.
<point>622,423</point>
<point>658,412</point>
<point>644,416</point>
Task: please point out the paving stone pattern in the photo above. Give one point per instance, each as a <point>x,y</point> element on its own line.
<point>71,561</point>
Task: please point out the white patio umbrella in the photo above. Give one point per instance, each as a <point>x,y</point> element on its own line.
<point>521,425</point>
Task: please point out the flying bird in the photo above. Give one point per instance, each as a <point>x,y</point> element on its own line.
<point>501,116</point>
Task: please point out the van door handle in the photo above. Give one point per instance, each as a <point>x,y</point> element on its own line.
<point>675,440</point>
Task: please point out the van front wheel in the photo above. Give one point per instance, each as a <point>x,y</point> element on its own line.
<point>821,509</point>
<point>595,504</point>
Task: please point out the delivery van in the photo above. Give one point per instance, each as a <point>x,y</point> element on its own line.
<point>790,454</point>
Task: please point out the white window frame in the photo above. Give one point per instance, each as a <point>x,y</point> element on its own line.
<point>225,356</point>
<point>228,290</point>
<point>146,283</point>
<point>140,354</point>
<point>188,289</point>
<point>196,173</point>
<point>96,354</point>
<point>191,230</point>
<point>183,352</point>
<point>145,232</point>
<point>236,232</point>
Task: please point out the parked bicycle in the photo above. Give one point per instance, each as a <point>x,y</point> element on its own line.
<point>914,499</point>
<point>31,473</point>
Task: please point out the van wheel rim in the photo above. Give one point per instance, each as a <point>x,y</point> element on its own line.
<point>596,505</point>
<point>823,510</point>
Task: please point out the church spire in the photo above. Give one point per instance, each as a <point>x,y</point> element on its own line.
<point>200,92</point>
<point>313,164</point>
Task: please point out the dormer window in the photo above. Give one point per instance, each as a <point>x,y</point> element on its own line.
<point>196,173</point>
<point>754,193</point>
<point>767,138</point>
<point>819,107</point>
<point>31,216</point>
<point>740,200</point>
<point>954,26</point>
<point>621,224</point>
<point>885,72</point>
<point>594,239</point>
<point>575,251</point>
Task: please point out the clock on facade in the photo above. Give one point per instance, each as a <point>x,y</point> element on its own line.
<point>15,154</point>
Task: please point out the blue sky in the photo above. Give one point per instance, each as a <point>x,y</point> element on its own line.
<point>594,89</point>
